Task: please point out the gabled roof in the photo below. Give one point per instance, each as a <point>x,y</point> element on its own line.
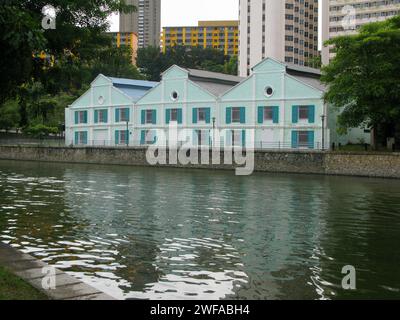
<point>213,76</point>
<point>307,75</point>
<point>132,82</point>
<point>216,89</point>
<point>135,89</point>
<point>214,82</point>
<point>315,83</point>
<point>303,71</point>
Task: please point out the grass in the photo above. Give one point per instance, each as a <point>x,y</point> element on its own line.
<point>13,288</point>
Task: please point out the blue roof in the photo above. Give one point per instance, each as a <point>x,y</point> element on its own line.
<point>133,88</point>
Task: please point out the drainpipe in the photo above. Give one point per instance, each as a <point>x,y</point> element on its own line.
<point>323,132</point>
<point>127,134</point>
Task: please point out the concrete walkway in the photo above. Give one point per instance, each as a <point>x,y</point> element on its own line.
<point>30,269</point>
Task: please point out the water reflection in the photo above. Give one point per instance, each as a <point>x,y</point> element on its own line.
<point>180,234</point>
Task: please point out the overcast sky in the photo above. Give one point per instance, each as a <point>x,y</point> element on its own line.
<point>188,12</point>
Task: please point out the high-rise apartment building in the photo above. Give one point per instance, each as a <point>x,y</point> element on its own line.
<point>222,35</point>
<point>341,17</point>
<point>145,22</point>
<point>284,30</point>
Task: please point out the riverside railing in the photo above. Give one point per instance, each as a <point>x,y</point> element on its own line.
<point>258,145</point>
<point>49,142</point>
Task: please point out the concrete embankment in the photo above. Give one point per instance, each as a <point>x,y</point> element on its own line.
<point>37,273</point>
<point>383,165</point>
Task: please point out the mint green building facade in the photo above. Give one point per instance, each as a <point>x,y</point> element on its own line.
<point>184,100</point>
<point>271,109</point>
<point>103,116</point>
<point>277,107</point>
<point>283,110</point>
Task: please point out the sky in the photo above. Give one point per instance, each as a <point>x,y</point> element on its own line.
<point>189,12</point>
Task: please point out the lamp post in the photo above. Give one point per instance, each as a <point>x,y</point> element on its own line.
<point>213,139</point>
<point>127,133</point>
<point>323,131</point>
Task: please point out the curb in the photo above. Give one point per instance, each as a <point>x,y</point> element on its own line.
<point>30,270</point>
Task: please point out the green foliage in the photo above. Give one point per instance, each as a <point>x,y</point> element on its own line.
<point>40,131</point>
<point>364,77</point>
<point>152,62</point>
<point>315,62</point>
<point>20,35</point>
<point>39,107</point>
<point>9,115</point>
<point>78,50</point>
<point>115,62</point>
<point>231,66</point>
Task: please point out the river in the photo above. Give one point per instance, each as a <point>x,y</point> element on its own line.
<point>149,233</point>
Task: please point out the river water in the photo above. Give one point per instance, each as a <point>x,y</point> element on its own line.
<point>153,233</point>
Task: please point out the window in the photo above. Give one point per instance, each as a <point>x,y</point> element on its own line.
<point>303,112</point>
<point>269,91</point>
<point>123,115</point>
<point>149,136</point>
<point>201,137</point>
<point>174,95</point>
<point>268,113</point>
<point>303,139</point>
<point>236,138</point>
<point>81,138</point>
<point>100,116</point>
<point>149,116</point>
<point>100,100</point>
<point>201,115</point>
<point>174,115</point>
<point>123,137</point>
<point>82,117</point>
<point>236,115</point>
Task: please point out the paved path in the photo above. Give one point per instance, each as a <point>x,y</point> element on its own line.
<point>30,269</point>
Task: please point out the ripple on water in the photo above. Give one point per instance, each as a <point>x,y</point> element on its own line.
<point>166,234</point>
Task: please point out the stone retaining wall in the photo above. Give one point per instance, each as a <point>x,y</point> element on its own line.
<point>386,165</point>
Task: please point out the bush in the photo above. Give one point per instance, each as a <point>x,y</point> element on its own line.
<point>9,116</point>
<point>40,131</point>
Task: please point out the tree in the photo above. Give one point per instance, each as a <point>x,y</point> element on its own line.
<point>315,62</point>
<point>152,62</point>
<point>364,78</point>
<point>231,67</point>
<point>115,62</point>
<point>20,36</point>
<point>40,131</point>
<point>9,115</point>
<point>78,48</point>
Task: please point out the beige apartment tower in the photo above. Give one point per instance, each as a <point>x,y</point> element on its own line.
<point>284,30</point>
<point>145,22</point>
<point>341,17</point>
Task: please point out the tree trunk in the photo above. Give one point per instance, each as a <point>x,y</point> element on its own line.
<point>374,138</point>
<point>23,114</point>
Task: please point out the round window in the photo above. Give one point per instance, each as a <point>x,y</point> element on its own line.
<point>174,95</point>
<point>269,91</point>
<point>101,100</point>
